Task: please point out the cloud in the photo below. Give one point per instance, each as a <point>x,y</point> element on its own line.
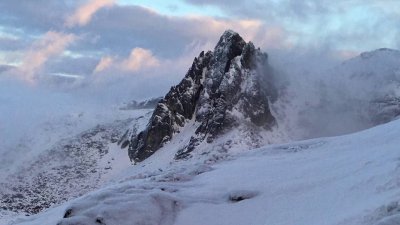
<point>140,59</point>
<point>104,64</point>
<point>122,28</point>
<point>11,43</point>
<point>268,9</point>
<point>65,64</point>
<point>146,52</point>
<point>269,24</point>
<point>28,17</point>
<point>83,14</point>
<point>346,54</point>
<point>107,38</point>
<point>345,25</point>
<point>126,40</point>
<point>50,45</point>
<point>148,82</point>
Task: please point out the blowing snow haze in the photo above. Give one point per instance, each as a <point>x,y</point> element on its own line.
<point>111,109</point>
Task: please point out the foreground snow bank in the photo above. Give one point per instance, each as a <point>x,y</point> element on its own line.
<point>352,179</point>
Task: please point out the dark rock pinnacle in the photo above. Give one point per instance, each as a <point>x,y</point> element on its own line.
<point>220,87</point>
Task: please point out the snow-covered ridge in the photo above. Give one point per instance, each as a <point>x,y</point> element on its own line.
<point>346,180</point>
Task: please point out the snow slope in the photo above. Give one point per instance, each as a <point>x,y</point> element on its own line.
<point>65,158</point>
<point>352,179</point>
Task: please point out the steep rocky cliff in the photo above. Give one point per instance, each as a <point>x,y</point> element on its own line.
<point>222,88</point>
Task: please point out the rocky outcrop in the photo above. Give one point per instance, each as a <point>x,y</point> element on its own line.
<point>171,112</point>
<point>221,88</point>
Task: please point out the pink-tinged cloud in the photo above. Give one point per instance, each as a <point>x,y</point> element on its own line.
<point>264,36</point>
<point>140,59</point>
<point>211,27</point>
<point>104,64</point>
<point>83,14</point>
<point>50,45</point>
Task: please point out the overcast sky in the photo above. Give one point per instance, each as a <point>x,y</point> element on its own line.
<point>150,44</point>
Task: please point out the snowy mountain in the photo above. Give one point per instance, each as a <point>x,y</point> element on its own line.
<point>191,158</point>
<point>344,180</point>
<point>232,98</point>
<point>224,90</point>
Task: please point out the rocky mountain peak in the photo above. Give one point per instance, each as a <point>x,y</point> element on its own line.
<point>221,89</point>
<point>229,46</point>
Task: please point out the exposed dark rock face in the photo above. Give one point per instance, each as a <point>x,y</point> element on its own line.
<point>220,87</point>
<point>172,111</point>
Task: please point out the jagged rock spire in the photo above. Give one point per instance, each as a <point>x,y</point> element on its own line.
<point>218,83</point>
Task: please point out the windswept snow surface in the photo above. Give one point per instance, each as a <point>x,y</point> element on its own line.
<point>352,179</point>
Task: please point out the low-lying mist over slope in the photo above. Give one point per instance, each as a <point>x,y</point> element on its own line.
<point>321,96</point>
<point>35,116</point>
<point>317,95</point>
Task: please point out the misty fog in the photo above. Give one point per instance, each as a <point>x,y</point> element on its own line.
<point>318,95</point>
<point>323,96</point>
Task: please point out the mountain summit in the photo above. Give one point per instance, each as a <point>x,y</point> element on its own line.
<point>224,89</point>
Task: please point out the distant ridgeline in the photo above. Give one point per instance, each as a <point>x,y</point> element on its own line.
<point>147,104</point>
<point>222,89</point>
